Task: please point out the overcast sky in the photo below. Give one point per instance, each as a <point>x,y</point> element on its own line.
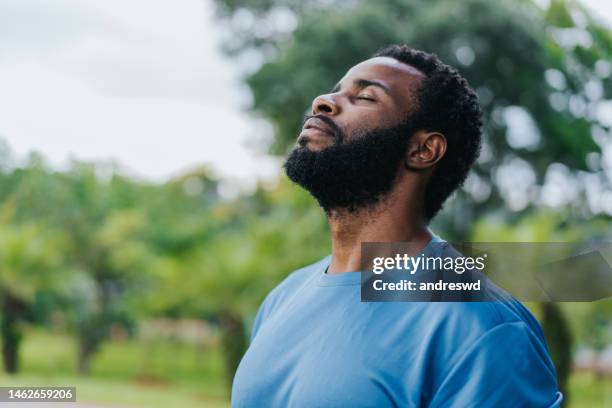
<point>139,81</point>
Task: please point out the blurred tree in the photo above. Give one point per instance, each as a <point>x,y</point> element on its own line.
<point>104,243</point>
<point>559,339</point>
<point>117,263</point>
<point>541,75</point>
<point>107,222</point>
<point>597,324</point>
<point>113,230</point>
<point>30,261</point>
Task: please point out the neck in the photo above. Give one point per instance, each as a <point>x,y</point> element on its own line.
<point>392,219</point>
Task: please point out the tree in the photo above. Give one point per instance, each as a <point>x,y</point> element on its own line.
<point>107,227</point>
<point>103,243</point>
<point>30,262</point>
<point>540,86</point>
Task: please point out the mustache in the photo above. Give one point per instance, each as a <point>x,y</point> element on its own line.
<point>338,134</point>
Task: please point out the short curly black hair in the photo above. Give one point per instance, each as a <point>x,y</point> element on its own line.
<point>448,105</point>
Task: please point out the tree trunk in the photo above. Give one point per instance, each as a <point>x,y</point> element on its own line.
<point>94,328</point>
<point>85,353</point>
<point>559,341</point>
<point>12,309</point>
<point>89,340</point>
<point>234,342</point>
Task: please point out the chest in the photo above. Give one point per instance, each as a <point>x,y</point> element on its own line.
<point>329,358</point>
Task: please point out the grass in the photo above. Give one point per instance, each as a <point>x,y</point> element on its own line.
<point>164,373</point>
<point>587,391</point>
<point>129,373</point>
<point>117,393</point>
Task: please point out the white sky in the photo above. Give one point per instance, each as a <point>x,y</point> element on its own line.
<point>137,81</point>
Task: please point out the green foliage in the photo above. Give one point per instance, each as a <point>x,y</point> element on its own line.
<point>522,61</point>
<point>258,241</point>
<point>30,263</point>
<point>30,260</point>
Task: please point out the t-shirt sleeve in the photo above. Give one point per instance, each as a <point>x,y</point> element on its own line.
<point>508,366</point>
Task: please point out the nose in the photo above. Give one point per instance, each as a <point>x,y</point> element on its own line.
<point>325,104</point>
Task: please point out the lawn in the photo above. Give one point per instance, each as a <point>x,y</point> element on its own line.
<point>166,373</point>
<point>587,391</point>
<point>126,373</point>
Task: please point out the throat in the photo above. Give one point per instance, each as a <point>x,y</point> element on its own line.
<point>382,222</point>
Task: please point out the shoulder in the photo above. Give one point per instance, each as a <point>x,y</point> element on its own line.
<point>480,317</point>
<point>496,308</point>
<point>293,282</point>
<point>286,289</point>
<point>482,340</point>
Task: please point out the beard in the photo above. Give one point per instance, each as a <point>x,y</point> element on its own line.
<point>351,174</point>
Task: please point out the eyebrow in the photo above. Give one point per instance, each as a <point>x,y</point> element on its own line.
<point>363,83</point>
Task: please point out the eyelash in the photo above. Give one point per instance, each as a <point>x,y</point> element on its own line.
<point>366,98</point>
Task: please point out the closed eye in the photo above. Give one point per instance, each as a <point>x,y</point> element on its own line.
<point>367,98</point>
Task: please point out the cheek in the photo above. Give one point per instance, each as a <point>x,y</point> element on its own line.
<point>365,123</point>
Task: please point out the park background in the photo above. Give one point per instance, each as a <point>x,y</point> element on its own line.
<point>143,212</point>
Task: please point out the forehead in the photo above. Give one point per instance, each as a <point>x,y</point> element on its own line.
<point>402,79</point>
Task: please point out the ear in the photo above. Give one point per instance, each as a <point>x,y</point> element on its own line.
<point>425,149</point>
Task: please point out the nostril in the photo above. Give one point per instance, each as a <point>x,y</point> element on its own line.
<point>324,108</point>
<point>325,105</point>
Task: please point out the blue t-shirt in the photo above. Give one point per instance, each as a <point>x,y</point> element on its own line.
<point>315,344</point>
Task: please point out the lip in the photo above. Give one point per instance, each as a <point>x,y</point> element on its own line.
<point>318,124</point>
<point>315,136</point>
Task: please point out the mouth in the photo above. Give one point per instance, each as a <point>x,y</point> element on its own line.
<point>316,133</point>
<point>319,126</point>
<point>316,129</point>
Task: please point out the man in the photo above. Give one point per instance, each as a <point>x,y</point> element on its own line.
<point>381,153</point>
